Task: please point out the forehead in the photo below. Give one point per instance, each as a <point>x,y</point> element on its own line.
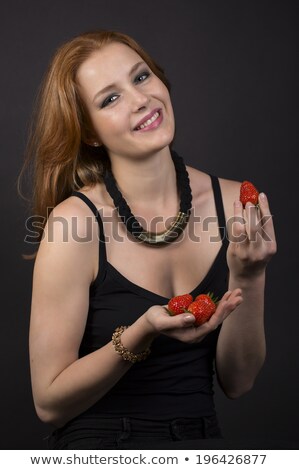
<point>106,65</point>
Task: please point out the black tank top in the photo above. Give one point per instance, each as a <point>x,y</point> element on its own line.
<point>176,380</point>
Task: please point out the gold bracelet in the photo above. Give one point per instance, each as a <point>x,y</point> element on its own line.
<point>123,351</point>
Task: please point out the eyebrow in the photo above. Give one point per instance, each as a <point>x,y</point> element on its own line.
<point>113,85</point>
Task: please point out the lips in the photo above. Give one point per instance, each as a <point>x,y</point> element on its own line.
<point>147,120</point>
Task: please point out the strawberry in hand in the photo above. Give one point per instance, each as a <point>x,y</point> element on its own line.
<point>179,304</point>
<point>248,193</point>
<point>202,316</point>
<point>203,307</point>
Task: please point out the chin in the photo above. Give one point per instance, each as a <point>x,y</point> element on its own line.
<point>164,139</point>
<point>157,147</point>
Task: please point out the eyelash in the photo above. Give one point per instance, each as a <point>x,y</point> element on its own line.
<point>107,101</point>
<point>146,73</point>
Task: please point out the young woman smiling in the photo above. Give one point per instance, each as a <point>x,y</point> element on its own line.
<point>125,232</point>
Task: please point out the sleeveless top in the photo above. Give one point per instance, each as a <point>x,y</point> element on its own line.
<point>176,380</point>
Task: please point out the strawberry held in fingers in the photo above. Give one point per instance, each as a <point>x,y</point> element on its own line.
<point>248,193</point>
<point>203,307</point>
<point>179,304</point>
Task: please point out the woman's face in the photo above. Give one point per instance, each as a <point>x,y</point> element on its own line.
<point>129,106</point>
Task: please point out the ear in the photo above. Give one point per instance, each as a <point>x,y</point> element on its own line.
<point>93,143</point>
<point>89,138</point>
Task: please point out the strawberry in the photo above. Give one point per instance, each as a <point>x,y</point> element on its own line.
<point>179,304</point>
<point>248,193</point>
<point>203,308</point>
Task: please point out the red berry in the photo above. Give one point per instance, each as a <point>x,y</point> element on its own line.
<point>179,304</point>
<point>203,308</point>
<point>248,193</point>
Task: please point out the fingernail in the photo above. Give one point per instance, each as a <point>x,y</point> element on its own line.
<point>189,318</point>
<point>263,196</point>
<point>238,203</point>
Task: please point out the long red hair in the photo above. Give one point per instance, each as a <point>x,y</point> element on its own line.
<point>61,160</point>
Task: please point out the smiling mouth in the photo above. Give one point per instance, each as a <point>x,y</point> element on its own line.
<point>147,123</point>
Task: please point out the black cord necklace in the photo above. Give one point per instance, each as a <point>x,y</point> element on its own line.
<point>133,226</point>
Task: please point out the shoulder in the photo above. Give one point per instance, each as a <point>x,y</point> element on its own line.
<point>202,189</point>
<point>70,240</point>
<point>76,214</point>
<point>70,219</point>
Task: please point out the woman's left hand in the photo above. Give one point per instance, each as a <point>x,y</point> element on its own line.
<point>252,239</point>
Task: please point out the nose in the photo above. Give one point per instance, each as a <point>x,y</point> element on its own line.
<point>139,99</point>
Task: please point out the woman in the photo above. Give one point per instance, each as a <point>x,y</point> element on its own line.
<point>112,253</point>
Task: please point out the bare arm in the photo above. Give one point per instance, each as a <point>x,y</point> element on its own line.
<point>64,385</point>
<point>241,347</point>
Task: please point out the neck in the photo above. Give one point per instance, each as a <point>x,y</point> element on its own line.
<point>147,181</point>
<point>180,175</point>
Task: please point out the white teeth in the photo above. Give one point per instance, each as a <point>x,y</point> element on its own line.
<point>148,122</point>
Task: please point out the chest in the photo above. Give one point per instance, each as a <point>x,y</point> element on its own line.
<point>174,269</point>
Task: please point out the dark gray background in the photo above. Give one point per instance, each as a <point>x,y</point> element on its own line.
<point>232,69</point>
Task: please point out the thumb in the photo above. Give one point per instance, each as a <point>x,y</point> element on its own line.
<point>184,320</point>
<point>181,320</point>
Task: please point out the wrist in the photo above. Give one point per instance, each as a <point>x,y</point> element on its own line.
<point>124,352</point>
<point>148,329</point>
<point>242,281</point>
<point>138,336</point>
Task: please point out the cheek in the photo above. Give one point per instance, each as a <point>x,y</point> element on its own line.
<point>165,98</point>
<point>110,126</point>
<point>169,110</point>
<point>164,93</point>
<point>169,106</point>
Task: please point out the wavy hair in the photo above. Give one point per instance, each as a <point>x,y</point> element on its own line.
<point>57,152</point>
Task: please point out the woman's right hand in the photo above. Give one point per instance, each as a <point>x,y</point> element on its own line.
<point>182,326</point>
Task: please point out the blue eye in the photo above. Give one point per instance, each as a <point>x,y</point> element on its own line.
<point>110,99</point>
<point>142,76</point>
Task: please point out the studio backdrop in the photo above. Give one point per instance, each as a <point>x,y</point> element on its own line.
<point>232,68</point>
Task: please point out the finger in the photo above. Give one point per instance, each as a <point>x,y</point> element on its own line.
<point>253,224</point>
<point>239,234</point>
<point>226,295</point>
<point>229,295</point>
<point>229,302</point>
<point>182,320</point>
<point>234,301</point>
<point>267,219</point>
